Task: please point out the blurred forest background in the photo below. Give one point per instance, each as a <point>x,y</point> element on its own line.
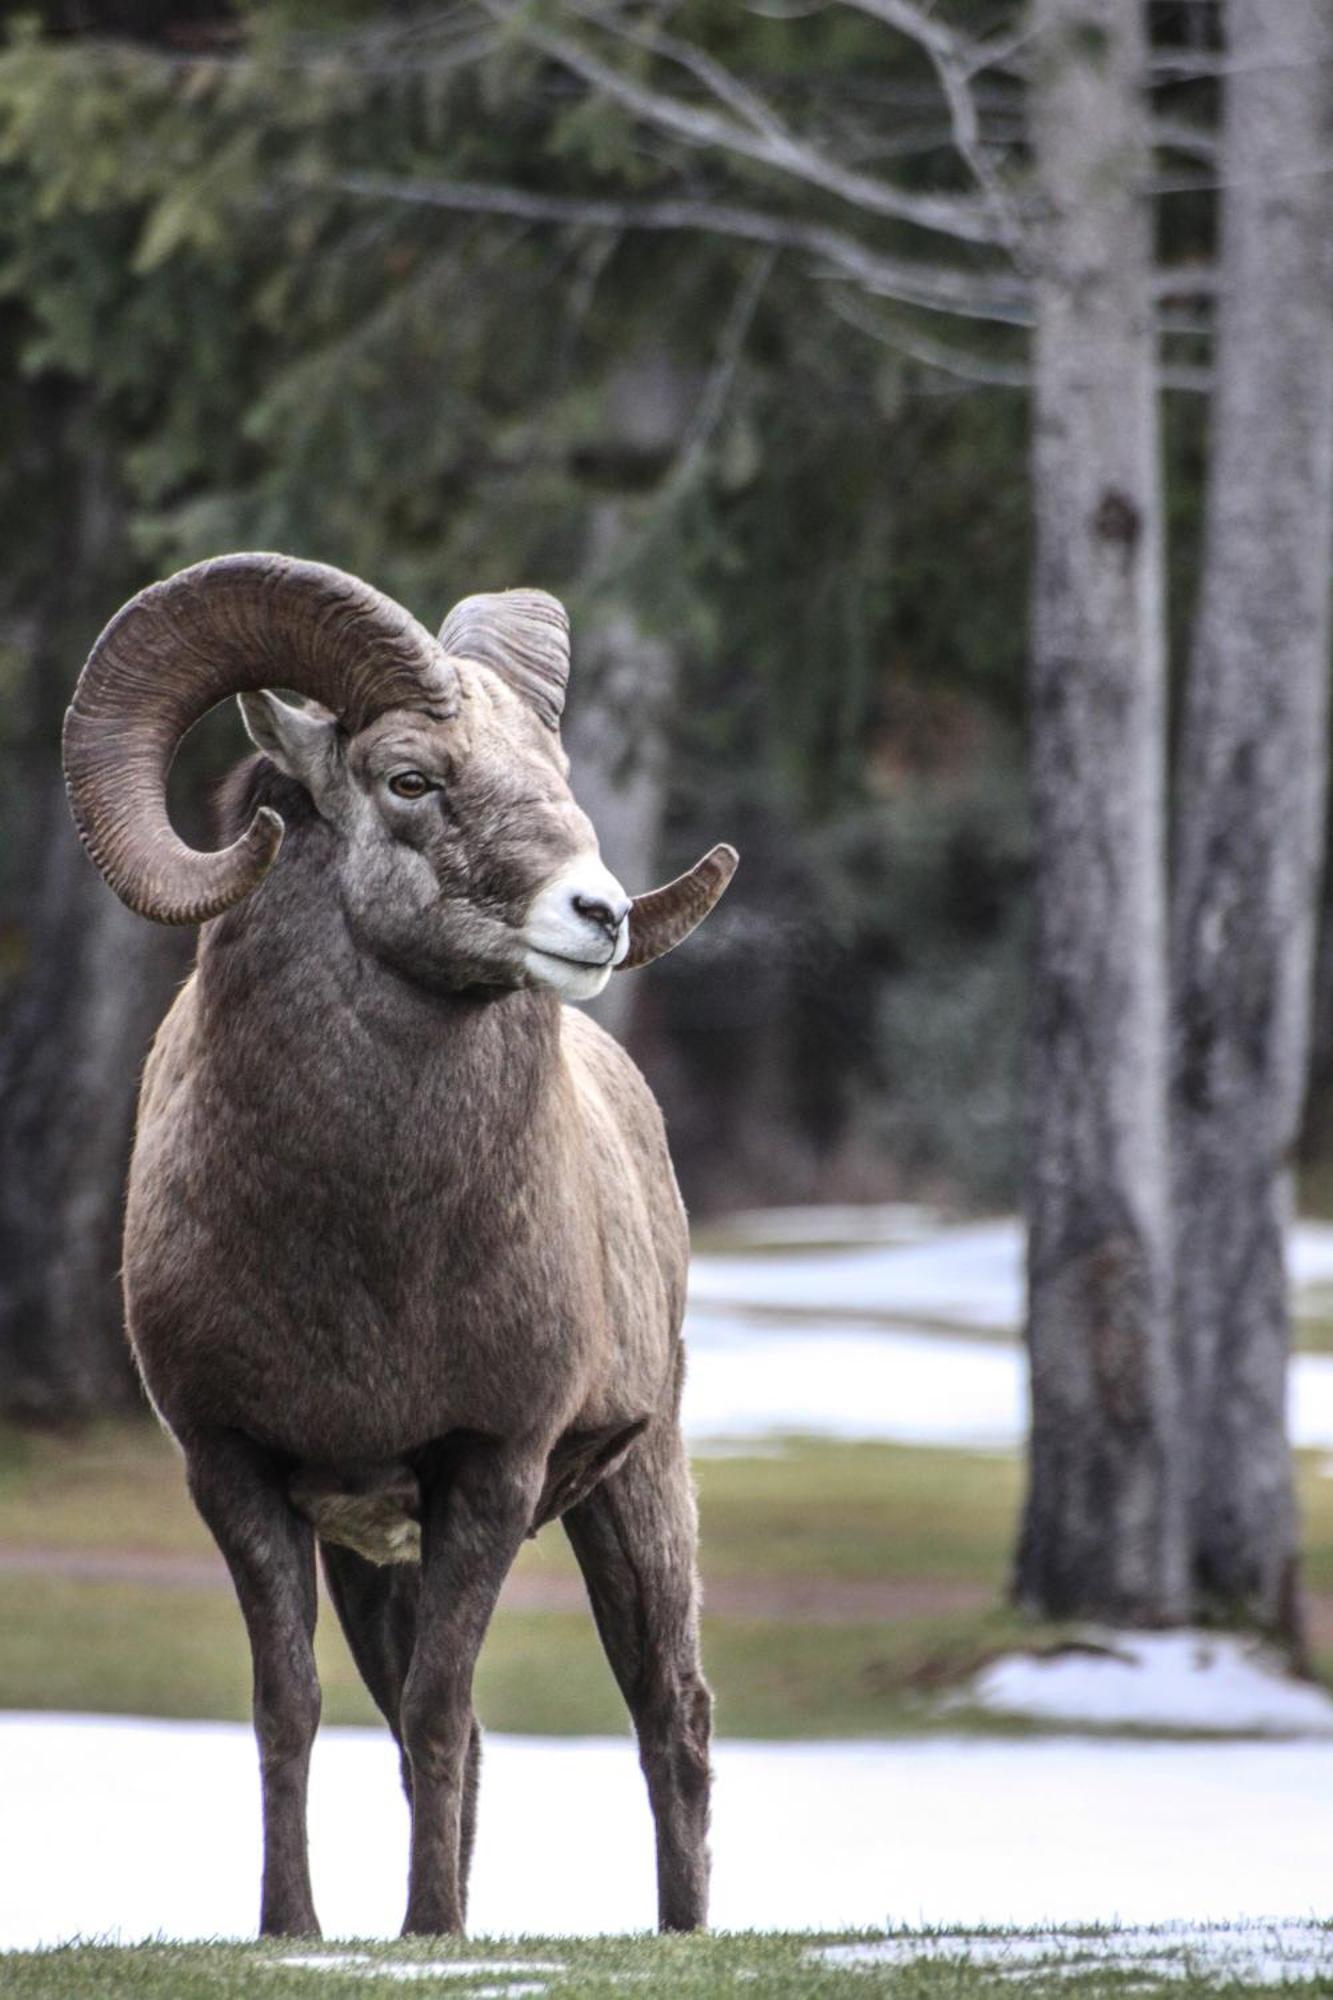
<point>713,319</point>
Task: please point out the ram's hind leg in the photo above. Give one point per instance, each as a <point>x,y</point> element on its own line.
<point>377,1609</point>
<point>635,1538</point>
<point>270,1552</point>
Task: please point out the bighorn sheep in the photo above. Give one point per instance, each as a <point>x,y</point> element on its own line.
<point>404,1256</point>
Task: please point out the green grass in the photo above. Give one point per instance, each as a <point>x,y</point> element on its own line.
<point>1312,1326</point>
<point>814,1508</point>
<point>129,1649</point>
<point>111,1485</point>
<point>898,1556</point>
<point>771,1965</point>
<point>861,1510</point>
<point>861,1516</point>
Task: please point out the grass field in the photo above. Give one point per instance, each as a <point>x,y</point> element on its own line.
<point>771,1964</point>
<point>847,1510</point>
<point>846,1588</point>
<point>850,1584</point>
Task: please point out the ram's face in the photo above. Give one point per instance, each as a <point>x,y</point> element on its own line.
<point>460,856</point>
<point>463,858</point>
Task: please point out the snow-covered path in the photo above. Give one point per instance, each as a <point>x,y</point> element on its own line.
<point>942,1831</point>
<point>828,1342</point>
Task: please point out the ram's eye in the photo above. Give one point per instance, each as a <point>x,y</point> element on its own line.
<point>410,785</point>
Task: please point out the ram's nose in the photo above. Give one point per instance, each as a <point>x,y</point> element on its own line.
<point>607,912</point>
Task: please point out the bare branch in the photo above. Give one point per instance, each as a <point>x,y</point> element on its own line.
<point>699,432</point>
<point>762,137</point>
<point>969,57</point>
<point>919,24</point>
<point>731,345</point>
<point>932,287</point>
<point>982,371</point>
<point>1176,136</point>
<point>1002,52</point>
<point>956,60</point>
<point>1187,65</point>
<point>726,87</point>
<point>1186,281</point>
<point>1187,381</point>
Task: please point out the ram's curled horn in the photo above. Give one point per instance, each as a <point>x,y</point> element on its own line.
<point>236,624</point>
<point>664,918</point>
<point>522,635</point>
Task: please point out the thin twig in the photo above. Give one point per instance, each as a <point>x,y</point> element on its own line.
<point>701,429</point>
<point>978,370</point>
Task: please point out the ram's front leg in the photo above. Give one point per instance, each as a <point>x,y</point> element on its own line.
<point>475,1516</point>
<point>270,1552</point>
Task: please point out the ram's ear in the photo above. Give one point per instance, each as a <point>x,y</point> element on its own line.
<point>664,918</point>
<point>303,742</point>
<point>522,635</point>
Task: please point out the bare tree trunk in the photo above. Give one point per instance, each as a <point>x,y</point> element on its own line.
<point>77,1022</point>
<point>617,743</point>
<point>618,729</point>
<point>74,1041</point>
<point>1251,805</point>
<point>1103,1528</point>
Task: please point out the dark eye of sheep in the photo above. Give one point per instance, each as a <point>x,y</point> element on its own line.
<point>410,785</point>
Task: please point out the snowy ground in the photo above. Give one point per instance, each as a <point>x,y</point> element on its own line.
<point>848,1343</point>
<point>927,1832</point>
<point>1212,1682</point>
<point>1271,1953</point>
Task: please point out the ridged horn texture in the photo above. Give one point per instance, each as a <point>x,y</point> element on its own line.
<point>664,918</point>
<point>229,626</point>
<point>522,635</point>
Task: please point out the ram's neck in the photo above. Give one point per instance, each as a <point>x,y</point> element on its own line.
<point>331,1054</point>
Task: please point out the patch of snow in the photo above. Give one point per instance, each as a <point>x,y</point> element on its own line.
<point>405,1970</point>
<point>1273,1952</point>
<point>971,1276</point>
<point>828,1836</point>
<point>747,1379</point>
<point>1205,1681</point>
<point>913,1388</point>
<point>1174,1680</point>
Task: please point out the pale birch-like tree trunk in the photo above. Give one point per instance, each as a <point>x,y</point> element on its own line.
<point>1103,1527</point>
<point>617,741</point>
<point>1251,804</point>
<point>617,733</point>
